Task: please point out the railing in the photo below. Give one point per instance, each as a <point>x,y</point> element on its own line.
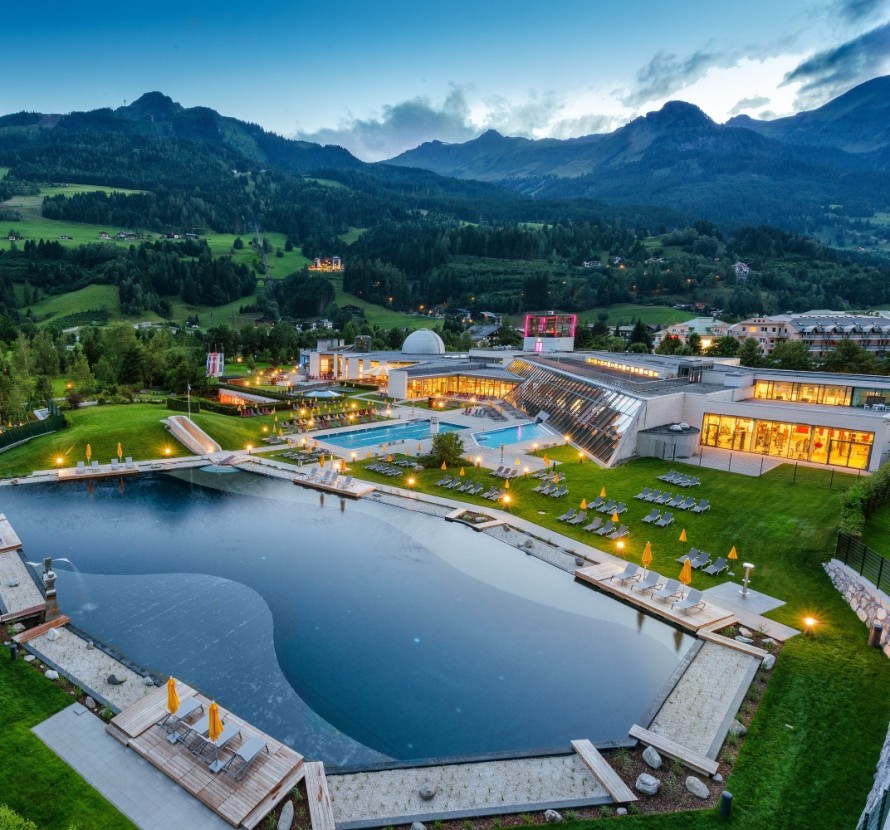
<point>866,562</point>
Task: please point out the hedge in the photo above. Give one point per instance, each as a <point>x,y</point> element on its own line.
<point>863,498</point>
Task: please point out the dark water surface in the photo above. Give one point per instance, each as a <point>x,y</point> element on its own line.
<point>353,631</point>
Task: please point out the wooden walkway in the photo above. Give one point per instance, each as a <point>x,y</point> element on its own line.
<point>321,812</point>
<point>241,803</point>
<point>598,577</point>
<point>104,471</point>
<point>599,766</point>
<point>38,630</point>
<point>356,490</point>
<point>673,750</point>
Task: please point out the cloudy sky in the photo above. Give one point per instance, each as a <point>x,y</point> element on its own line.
<point>380,77</point>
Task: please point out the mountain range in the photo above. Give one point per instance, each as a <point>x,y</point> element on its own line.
<point>784,171</point>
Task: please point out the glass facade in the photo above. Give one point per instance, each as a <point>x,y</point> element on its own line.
<point>464,386</point>
<point>780,390</point>
<point>593,416</point>
<point>804,442</point>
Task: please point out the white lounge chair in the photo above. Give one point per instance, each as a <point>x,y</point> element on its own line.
<point>80,468</point>
<point>651,582</point>
<point>630,572</point>
<point>128,463</point>
<point>693,601</point>
<point>669,590</point>
<point>244,756</point>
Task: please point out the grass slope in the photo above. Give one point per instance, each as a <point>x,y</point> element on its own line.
<point>35,782</point>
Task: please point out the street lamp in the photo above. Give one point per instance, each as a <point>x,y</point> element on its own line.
<point>809,624</point>
<point>507,502</point>
<point>411,481</point>
<point>249,448</point>
<point>748,568</point>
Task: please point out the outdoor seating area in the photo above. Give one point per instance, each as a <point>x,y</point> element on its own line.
<point>241,775</point>
<point>679,479</point>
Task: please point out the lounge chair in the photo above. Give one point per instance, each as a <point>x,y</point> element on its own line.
<point>693,601</point>
<point>687,504</point>
<point>128,463</point>
<point>620,533</point>
<point>94,466</point>
<point>630,572</point>
<point>693,552</point>
<point>562,491</point>
<point>489,492</point>
<point>171,723</point>
<point>664,498</point>
<point>652,516</point>
<point>115,466</point>
<point>643,493</point>
<point>313,474</point>
<point>569,514</point>
<point>80,468</point>
<point>597,522</point>
<point>597,503</point>
<point>608,507</point>
<point>669,590</point>
<point>497,496</point>
<point>209,753</point>
<point>701,560</point>
<point>476,490</point>
<point>720,565</point>
<point>244,756</point>
<point>580,517</point>
<point>669,476</point>
<point>676,501</point>
<point>446,479</point>
<point>466,487</point>
<point>540,487</point>
<point>346,483</point>
<point>653,495</point>
<point>620,508</point>
<point>548,489</point>
<point>457,482</point>
<point>666,519</point>
<point>703,505</point>
<point>651,582</point>
<point>499,472</point>
<point>608,527</point>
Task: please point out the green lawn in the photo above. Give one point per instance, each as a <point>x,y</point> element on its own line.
<point>623,313</point>
<point>89,298</point>
<point>352,234</point>
<point>35,782</point>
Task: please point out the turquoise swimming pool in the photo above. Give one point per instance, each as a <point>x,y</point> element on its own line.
<point>514,435</point>
<point>371,436</point>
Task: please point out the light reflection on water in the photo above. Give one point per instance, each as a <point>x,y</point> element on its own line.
<point>415,637</point>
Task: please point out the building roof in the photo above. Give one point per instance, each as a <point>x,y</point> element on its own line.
<point>423,342</point>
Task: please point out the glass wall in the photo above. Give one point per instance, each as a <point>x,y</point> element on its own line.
<point>804,442</point>
<point>465,386</point>
<point>780,390</point>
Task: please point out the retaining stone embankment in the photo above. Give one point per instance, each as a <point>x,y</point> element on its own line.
<point>870,604</point>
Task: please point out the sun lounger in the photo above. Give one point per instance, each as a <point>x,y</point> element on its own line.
<point>669,476</point>
<point>693,552</point>
<point>476,490</point>
<point>597,503</point>
<point>703,505</point>
<point>454,484</point>
<point>171,723</point>
<point>209,753</point>
<point>608,527</point>
<point>701,560</point>
<point>497,495</point>
<point>676,501</point>
<point>664,498</point>
<point>541,486</point>
<point>468,486</point>
<point>651,582</point>
<point>630,572</point>
<point>608,507</point>
<point>580,517</point>
<point>653,495</point>
<point>94,466</point>
<point>693,601</point>
<point>562,491</point>
<point>548,489</point>
<point>115,466</point>
<point>652,516</point>
<point>244,756</point>
<point>128,463</point>
<point>720,565</point>
<point>499,472</point>
<point>313,474</point>
<point>446,479</point>
<point>666,519</point>
<point>597,522</point>
<point>620,508</point>
<point>687,504</point>
<point>620,533</point>
<point>346,483</point>
<point>80,468</point>
<point>643,493</point>
<point>569,514</point>
<point>670,590</point>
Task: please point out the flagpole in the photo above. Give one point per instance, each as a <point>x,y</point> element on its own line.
<point>188,387</point>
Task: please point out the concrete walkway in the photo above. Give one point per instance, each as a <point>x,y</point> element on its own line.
<point>142,793</point>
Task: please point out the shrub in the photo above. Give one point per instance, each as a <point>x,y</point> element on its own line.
<point>10,820</point>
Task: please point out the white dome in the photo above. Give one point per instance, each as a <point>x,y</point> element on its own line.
<point>423,341</point>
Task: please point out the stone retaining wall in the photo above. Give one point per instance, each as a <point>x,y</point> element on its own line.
<point>871,605</point>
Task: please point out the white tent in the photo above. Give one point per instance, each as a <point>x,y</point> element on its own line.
<point>382,369</point>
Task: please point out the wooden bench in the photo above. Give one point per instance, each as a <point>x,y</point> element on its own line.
<point>320,810</point>
<point>673,750</point>
<point>603,772</point>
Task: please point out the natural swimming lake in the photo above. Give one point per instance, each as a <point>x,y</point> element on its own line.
<point>354,631</point>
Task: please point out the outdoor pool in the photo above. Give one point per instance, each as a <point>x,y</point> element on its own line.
<point>513,435</point>
<point>371,436</point>
<point>353,631</point>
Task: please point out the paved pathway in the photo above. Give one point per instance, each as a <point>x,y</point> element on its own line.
<point>142,793</point>
<point>697,712</point>
<point>392,796</point>
<point>24,594</point>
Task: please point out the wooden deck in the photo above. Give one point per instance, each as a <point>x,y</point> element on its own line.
<point>321,812</point>
<point>33,633</point>
<point>598,577</point>
<point>603,772</point>
<point>241,803</point>
<point>674,750</point>
<point>104,471</point>
<point>356,490</point>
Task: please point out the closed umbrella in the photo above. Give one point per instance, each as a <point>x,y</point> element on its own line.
<point>615,516</point>
<point>215,726</point>
<point>732,553</point>
<point>461,473</point>
<point>444,466</point>
<point>172,697</point>
<point>89,453</point>
<point>321,461</point>
<point>419,449</point>
<point>120,451</point>
<point>686,572</point>
<point>647,555</point>
<point>603,493</point>
<point>507,484</point>
<point>516,461</point>
<point>683,535</point>
<point>556,478</point>
<point>584,504</point>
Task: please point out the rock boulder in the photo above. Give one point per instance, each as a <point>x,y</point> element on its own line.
<point>651,757</point>
<point>647,784</point>
<point>697,787</point>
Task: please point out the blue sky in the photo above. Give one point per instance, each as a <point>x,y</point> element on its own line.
<point>379,77</point>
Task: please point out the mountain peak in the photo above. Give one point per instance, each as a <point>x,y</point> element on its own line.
<point>152,103</point>
<point>679,114</point>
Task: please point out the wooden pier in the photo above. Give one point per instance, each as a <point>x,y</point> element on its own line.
<point>599,577</point>
<point>244,803</point>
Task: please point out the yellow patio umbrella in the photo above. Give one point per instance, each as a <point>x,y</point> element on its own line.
<point>686,572</point>
<point>683,535</point>
<point>546,461</point>
<point>321,461</point>
<point>556,478</point>
<point>507,484</point>
<point>647,555</point>
<point>615,516</point>
<point>732,553</point>
<point>603,493</point>
<point>120,451</point>
<point>215,726</point>
<point>584,504</point>
<point>516,461</point>
<point>444,466</point>
<point>172,697</point>
<point>389,459</point>
<point>461,473</point>
<point>89,452</point>
<point>419,449</point>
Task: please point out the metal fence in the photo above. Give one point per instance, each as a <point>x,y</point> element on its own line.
<point>14,435</point>
<point>866,562</point>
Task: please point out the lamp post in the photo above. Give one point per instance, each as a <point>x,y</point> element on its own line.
<point>748,567</point>
<point>809,624</point>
